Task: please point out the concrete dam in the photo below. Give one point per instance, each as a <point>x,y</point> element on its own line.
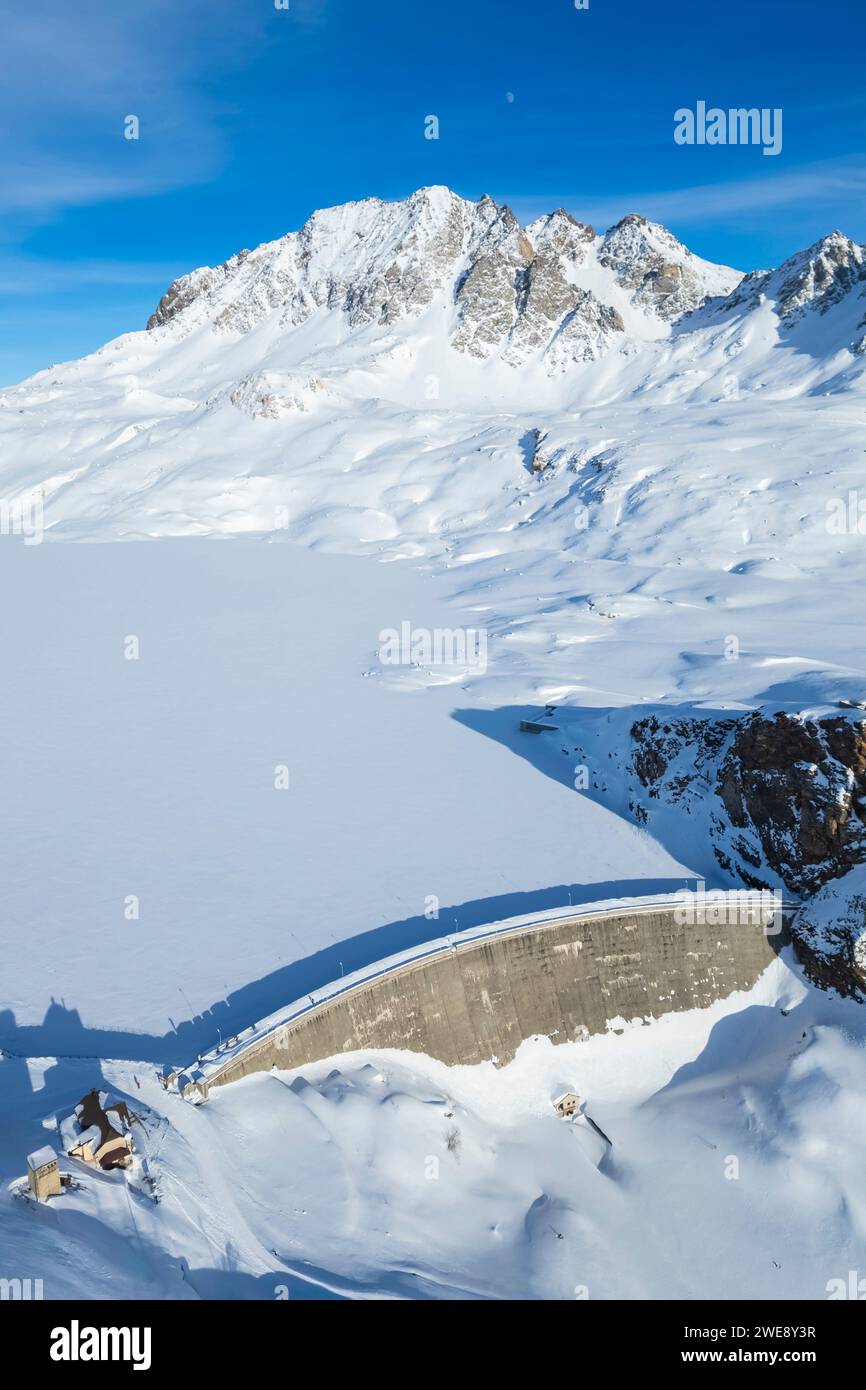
<point>476,995</point>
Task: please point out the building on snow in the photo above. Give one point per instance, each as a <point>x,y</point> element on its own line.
<point>43,1174</point>
<point>98,1131</point>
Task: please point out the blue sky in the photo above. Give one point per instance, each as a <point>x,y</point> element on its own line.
<point>251,117</point>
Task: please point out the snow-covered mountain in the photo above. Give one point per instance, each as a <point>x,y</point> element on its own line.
<point>552,293</point>
<point>552,290</point>
<point>663,450</point>
<point>639,474</point>
<point>641,437</point>
<point>816,279</point>
<point>379,379</point>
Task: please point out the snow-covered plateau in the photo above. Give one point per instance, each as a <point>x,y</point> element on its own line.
<point>636,481</point>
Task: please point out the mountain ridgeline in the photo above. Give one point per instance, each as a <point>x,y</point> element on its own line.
<point>553,290</point>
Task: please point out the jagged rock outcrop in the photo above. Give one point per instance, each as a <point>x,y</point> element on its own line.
<point>537,459</point>
<point>519,296</point>
<point>821,276</point>
<point>190,289</point>
<point>269,395</point>
<point>550,310</point>
<point>785,795</point>
<point>585,332</point>
<point>548,458</point>
<point>487,295</point>
<point>829,934</point>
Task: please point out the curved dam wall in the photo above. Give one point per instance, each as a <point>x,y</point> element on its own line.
<point>477,1000</point>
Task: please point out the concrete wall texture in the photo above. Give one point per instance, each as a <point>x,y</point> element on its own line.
<point>481,999</point>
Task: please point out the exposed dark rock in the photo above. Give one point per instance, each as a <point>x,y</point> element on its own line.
<point>788,795</point>
<point>821,276</point>
<point>830,936</point>
<point>533,441</point>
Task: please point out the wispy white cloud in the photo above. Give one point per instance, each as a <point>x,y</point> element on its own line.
<point>72,73</point>
<point>24,276</point>
<point>43,187</point>
<point>840,182</point>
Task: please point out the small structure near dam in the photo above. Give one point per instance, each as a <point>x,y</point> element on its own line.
<point>43,1174</point>
<point>477,995</point>
<point>98,1131</point>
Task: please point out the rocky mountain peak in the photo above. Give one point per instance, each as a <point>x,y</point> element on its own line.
<point>820,276</point>
<point>520,297</point>
<point>512,289</point>
<point>658,271</point>
<point>829,275</point>
<point>560,233</point>
<point>633,219</point>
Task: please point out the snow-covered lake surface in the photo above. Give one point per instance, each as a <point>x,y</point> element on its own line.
<point>154,779</point>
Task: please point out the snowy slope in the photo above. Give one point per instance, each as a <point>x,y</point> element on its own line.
<point>735,1170</point>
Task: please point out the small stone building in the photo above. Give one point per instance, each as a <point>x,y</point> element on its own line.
<point>566,1104</point>
<point>43,1174</point>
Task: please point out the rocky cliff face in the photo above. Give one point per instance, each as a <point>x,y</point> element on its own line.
<point>830,936</point>
<point>786,796</point>
<point>781,799</point>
